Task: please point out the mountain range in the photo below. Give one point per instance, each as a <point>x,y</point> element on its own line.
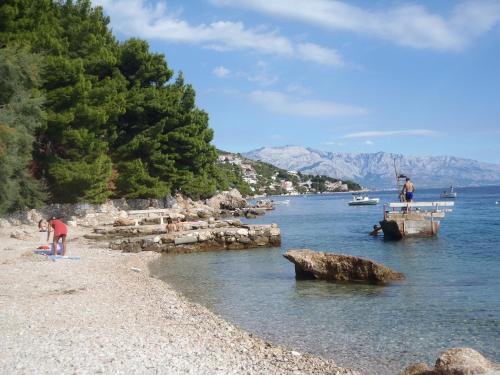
<point>377,170</point>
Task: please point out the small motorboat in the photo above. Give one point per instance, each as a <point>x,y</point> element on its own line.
<point>363,200</point>
<point>449,193</point>
<point>283,202</point>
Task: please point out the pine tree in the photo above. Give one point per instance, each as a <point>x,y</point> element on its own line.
<point>20,114</point>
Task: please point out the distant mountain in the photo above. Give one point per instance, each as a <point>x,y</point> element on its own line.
<point>376,170</point>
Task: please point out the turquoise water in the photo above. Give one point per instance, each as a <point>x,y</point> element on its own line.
<point>451,296</point>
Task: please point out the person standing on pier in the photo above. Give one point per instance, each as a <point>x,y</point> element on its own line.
<point>408,190</point>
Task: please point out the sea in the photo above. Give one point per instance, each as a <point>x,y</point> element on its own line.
<point>450,298</point>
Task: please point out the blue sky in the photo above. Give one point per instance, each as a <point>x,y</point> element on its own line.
<point>419,78</point>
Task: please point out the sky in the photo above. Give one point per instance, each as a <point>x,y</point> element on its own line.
<point>410,77</point>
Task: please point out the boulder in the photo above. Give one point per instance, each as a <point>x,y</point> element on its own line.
<point>418,369</point>
<point>4,223</point>
<point>265,204</point>
<point>227,200</point>
<point>123,221</point>
<point>463,361</point>
<point>21,235</point>
<point>338,267</point>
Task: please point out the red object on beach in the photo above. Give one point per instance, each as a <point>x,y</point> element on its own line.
<point>43,247</point>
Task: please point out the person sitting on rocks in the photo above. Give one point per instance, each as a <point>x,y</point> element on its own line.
<point>179,225</point>
<point>171,227</point>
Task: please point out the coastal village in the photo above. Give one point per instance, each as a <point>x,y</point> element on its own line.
<point>266,179</point>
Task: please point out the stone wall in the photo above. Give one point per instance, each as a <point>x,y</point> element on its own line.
<point>215,238</point>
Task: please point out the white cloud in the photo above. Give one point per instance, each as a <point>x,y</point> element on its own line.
<point>321,55</point>
<point>281,103</point>
<point>393,133</point>
<point>262,79</point>
<point>409,25</point>
<point>369,143</point>
<point>221,72</point>
<point>139,18</point>
<point>298,89</point>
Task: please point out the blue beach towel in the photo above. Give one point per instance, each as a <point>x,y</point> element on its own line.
<point>55,258</point>
<point>44,252</point>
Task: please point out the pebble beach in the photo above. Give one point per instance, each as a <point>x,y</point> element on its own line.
<point>103,313</point>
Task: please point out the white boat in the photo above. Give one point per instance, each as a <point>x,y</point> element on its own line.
<point>363,200</point>
<point>284,202</point>
<point>450,193</point>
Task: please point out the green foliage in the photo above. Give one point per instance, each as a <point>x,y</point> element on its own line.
<point>116,123</point>
<point>230,176</point>
<point>20,114</point>
<point>81,181</point>
<point>134,181</point>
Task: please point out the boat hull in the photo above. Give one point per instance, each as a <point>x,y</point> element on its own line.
<point>449,196</point>
<point>361,203</point>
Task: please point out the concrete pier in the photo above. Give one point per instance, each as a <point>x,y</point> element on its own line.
<point>209,237</point>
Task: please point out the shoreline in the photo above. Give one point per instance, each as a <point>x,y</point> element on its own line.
<point>98,314</point>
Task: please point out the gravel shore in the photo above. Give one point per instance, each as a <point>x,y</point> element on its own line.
<point>104,314</point>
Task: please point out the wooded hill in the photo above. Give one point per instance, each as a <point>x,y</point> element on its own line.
<point>84,117</point>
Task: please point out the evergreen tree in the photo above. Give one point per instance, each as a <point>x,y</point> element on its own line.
<point>116,125</point>
<point>162,128</point>
<point>20,114</point>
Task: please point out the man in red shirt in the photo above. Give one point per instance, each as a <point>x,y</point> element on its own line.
<point>60,232</point>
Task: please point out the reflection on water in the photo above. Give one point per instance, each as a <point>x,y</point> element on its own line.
<point>450,297</point>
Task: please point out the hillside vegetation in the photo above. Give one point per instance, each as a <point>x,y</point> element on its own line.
<point>84,117</point>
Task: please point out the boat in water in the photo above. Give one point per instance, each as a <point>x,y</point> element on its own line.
<point>363,200</point>
<point>282,202</point>
<point>449,193</point>
<point>412,219</point>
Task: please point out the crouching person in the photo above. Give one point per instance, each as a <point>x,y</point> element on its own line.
<point>60,233</point>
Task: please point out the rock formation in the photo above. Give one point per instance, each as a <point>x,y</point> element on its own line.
<point>227,200</point>
<point>338,267</point>
<point>112,211</point>
<point>456,361</point>
<point>463,361</point>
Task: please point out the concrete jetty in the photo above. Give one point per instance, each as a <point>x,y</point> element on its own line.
<point>221,235</point>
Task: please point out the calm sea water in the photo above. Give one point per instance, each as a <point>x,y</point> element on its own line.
<point>451,296</point>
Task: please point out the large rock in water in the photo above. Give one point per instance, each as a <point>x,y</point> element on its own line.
<point>227,200</point>
<point>456,361</point>
<point>463,361</point>
<point>339,267</point>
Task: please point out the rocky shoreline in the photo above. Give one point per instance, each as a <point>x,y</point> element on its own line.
<point>104,314</point>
